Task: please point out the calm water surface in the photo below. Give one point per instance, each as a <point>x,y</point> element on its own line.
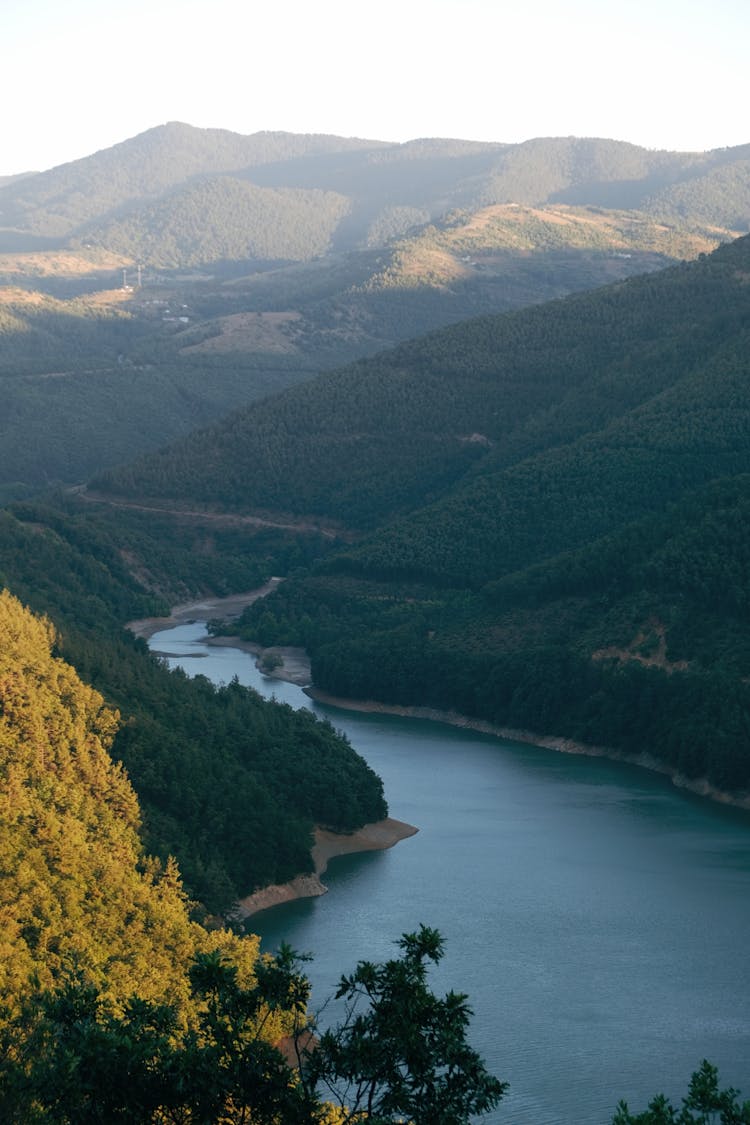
<point>597,918</point>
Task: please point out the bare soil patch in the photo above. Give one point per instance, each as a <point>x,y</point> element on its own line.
<point>248,331</point>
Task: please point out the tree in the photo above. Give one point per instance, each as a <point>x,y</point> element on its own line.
<point>401,1052</point>
<point>74,1059</point>
<point>270,661</point>
<point>705,1104</point>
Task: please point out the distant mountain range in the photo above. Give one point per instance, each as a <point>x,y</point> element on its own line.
<point>142,197</point>
<point>148,289</point>
<point>384,436</point>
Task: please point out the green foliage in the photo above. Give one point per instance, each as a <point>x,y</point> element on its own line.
<point>84,391</point>
<point>569,406</point>
<point>582,571</point>
<point>466,247</point>
<point>401,1052</point>
<point>230,784</point>
<point>77,893</point>
<point>616,645</point>
<point>90,382</point>
<point>63,199</point>
<point>225,219</point>
<point>720,194</point>
<point>705,1104</point>
<point>71,1058</point>
<point>271,661</point>
<point>386,183</point>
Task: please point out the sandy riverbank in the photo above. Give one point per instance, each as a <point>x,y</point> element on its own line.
<point>701,787</point>
<point>295,668</point>
<point>295,665</point>
<point>328,845</point>
<point>204,609</point>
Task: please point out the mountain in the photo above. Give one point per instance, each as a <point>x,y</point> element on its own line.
<point>531,501</point>
<point>109,197</point>
<point>57,202</point>
<point>194,271</point>
<point>540,520</point>
<point>5,180</point>
<point>226,219</point>
<point>384,436</point>
<point>115,1004</point>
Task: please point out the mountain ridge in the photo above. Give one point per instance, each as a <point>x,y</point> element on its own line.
<point>538,498</point>
<point>487,379</point>
<point>62,201</point>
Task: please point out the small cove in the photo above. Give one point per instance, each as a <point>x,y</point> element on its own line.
<point>597,917</point>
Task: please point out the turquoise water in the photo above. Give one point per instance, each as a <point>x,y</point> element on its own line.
<point>597,918</point>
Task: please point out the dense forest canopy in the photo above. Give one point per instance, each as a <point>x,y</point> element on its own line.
<point>57,202</point>
<point>584,378</point>
<point>115,1005</point>
<point>225,219</point>
<point>534,503</point>
<point>228,783</point>
<point>540,519</point>
<point>77,888</point>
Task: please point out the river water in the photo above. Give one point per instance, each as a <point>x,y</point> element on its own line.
<point>598,919</point>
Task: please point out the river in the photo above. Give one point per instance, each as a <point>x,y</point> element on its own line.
<point>597,917</point>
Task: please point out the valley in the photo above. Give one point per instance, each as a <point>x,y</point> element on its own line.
<point>485,409</point>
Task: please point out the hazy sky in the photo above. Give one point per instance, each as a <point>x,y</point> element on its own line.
<point>80,75</point>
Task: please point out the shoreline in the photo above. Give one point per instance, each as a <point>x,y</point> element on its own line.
<point>700,787</point>
<point>295,666</point>
<point>377,836</point>
<point>296,669</point>
<point>202,609</point>
<point>328,845</point>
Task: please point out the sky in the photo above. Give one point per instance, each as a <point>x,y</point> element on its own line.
<point>77,76</point>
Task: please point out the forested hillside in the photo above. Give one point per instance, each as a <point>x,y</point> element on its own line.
<point>89,386</point>
<point>538,518</point>
<point>554,504</point>
<point>114,1004</point>
<point>93,379</point>
<point>55,203</point>
<point>77,889</point>
<point>229,784</point>
<point>390,187</point>
<point>597,378</point>
<point>150,288</point>
<point>226,220</point>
